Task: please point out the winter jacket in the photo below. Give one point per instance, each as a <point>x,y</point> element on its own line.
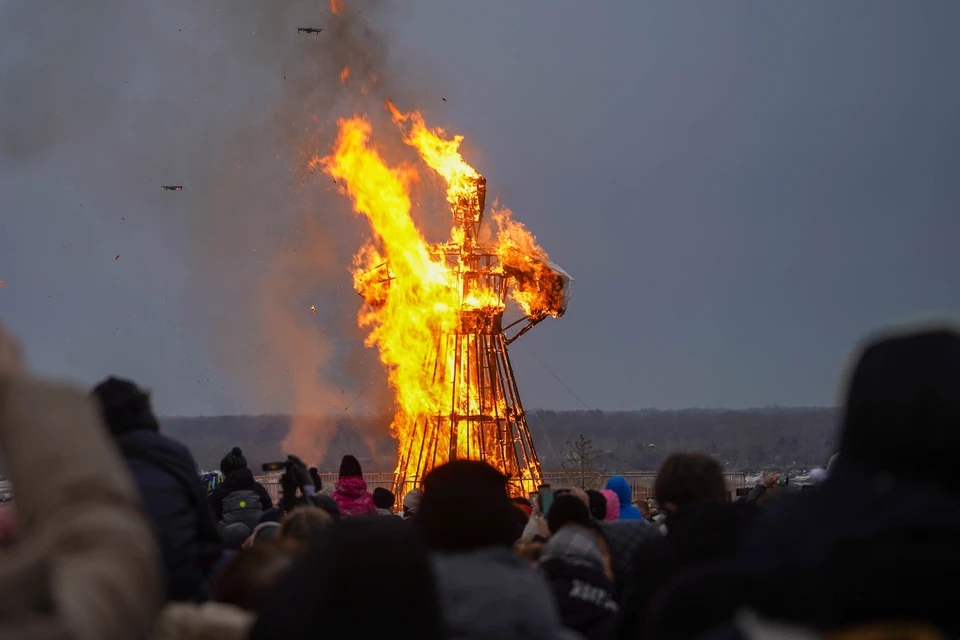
<point>573,564</point>
<point>242,481</point>
<point>623,540</point>
<point>84,564</point>
<point>620,486</point>
<point>698,534</point>
<point>353,498</point>
<point>883,534</point>
<point>237,503</point>
<point>490,594</point>
<point>171,492</point>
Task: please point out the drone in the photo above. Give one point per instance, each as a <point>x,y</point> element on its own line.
<point>308,30</point>
<point>172,188</point>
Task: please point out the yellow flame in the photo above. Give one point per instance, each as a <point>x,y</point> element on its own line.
<point>419,298</point>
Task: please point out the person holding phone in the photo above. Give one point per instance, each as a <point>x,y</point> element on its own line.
<point>772,479</point>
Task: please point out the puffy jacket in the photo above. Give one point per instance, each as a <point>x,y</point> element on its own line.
<point>353,498</point>
<point>171,492</point>
<point>620,486</point>
<point>238,504</point>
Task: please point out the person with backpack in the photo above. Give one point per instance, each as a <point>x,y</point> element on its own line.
<point>239,501</point>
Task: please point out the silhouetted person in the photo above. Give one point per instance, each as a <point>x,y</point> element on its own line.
<point>486,591</point>
<point>879,540</point>
<point>701,528</point>
<point>351,493</point>
<point>169,487</point>
<point>239,501</point>
<point>363,578</point>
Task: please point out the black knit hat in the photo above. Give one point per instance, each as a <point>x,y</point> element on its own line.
<point>124,405</point>
<point>902,412</point>
<point>383,498</point>
<point>233,461</point>
<point>350,467</point>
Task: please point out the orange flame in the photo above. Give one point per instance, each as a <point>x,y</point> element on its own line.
<point>336,7</point>
<point>426,310</point>
<point>345,74</point>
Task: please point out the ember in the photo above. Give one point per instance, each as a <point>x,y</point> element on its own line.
<point>435,312</point>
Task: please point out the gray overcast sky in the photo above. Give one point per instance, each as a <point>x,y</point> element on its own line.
<point>742,190</point>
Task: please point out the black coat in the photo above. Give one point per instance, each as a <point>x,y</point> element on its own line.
<point>238,480</point>
<point>855,550</point>
<point>697,535</point>
<point>171,492</point>
<point>585,598</point>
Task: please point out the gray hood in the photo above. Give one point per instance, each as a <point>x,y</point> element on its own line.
<point>491,594</point>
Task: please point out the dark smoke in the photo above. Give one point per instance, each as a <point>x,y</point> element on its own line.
<point>227,99</point>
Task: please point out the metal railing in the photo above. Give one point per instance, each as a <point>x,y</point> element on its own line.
<point>641,482</point>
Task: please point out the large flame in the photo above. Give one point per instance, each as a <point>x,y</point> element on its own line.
<point>419,298</point>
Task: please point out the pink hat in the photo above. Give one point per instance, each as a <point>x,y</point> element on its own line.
<point>613,505</point>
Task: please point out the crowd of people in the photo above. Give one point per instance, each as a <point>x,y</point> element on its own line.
<point>113,534</point>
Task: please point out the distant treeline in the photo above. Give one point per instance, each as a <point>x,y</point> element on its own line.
<point>747,440</point>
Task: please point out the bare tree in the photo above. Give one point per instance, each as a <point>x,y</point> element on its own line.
<point>583,458</point>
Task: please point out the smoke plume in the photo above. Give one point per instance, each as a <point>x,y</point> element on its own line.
<point>228,100</point>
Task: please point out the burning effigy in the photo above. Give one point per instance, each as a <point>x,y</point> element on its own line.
<point>435,311</point>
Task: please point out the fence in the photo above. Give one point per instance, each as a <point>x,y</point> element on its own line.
<point>641,482</point>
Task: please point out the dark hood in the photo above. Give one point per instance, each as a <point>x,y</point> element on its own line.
<point>843,553</point>
<point>902,411</point>
<point>124,406</point>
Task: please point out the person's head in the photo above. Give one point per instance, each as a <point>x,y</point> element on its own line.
<point>612,502</point>
<point>328,504</point>
<point>304,523</point>
<point>465,507</point>
<point>361,566</point>
<point>315,476</point>
<point>270,515</point>
<point>233,461</point>
<point>902,407</point>
<point>644,508</point>
<point>350,467</point>
<point>575,545</point>
<point>567,509</point>
<point>687,478</point>
<point>124,406</point>
<point>383,498</point>
<point>263,531</point>
<point>598,505</point>
<point>250,575</point>
<point>411,502</point>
